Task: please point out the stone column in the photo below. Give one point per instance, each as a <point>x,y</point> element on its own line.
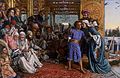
<point>30,7</point>
<point>41,2</point>
<point>10,3</point>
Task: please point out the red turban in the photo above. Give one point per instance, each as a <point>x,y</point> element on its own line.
<point>7,26</point>
<point>85,12</point>
<point>13,22</point>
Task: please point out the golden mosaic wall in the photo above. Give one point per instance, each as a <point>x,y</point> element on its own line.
<point>96,9</point>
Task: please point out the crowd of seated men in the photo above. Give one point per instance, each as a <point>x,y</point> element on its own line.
<point>26,44</point>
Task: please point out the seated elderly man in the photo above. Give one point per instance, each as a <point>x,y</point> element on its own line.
<point>31,42</point>
<point>38,35</point>
<point>28,61</point>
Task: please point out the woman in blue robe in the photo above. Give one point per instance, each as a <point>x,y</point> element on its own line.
<point>96,50</point>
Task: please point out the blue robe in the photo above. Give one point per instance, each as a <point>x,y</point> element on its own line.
<point>99,64</point>
<point>74,48</point>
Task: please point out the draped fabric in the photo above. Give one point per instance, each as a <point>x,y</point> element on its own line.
<point>28,61</point>
<point>97,61</point>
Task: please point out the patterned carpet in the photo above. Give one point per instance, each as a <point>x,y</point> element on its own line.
<point>50,70</point>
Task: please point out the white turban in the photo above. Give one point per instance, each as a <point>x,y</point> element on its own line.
<point>16,34</point>
<point>22,33</point>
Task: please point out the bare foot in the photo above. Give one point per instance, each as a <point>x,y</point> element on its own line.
<point>69,69</point>
<point>82,71</point>
<point>66,67</point>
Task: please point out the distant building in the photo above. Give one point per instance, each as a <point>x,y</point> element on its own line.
<point>112,32</point>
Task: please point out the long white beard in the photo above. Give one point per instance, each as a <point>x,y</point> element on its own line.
<point>22,43</point>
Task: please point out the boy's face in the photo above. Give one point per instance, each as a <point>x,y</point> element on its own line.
<point>78,25</point>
